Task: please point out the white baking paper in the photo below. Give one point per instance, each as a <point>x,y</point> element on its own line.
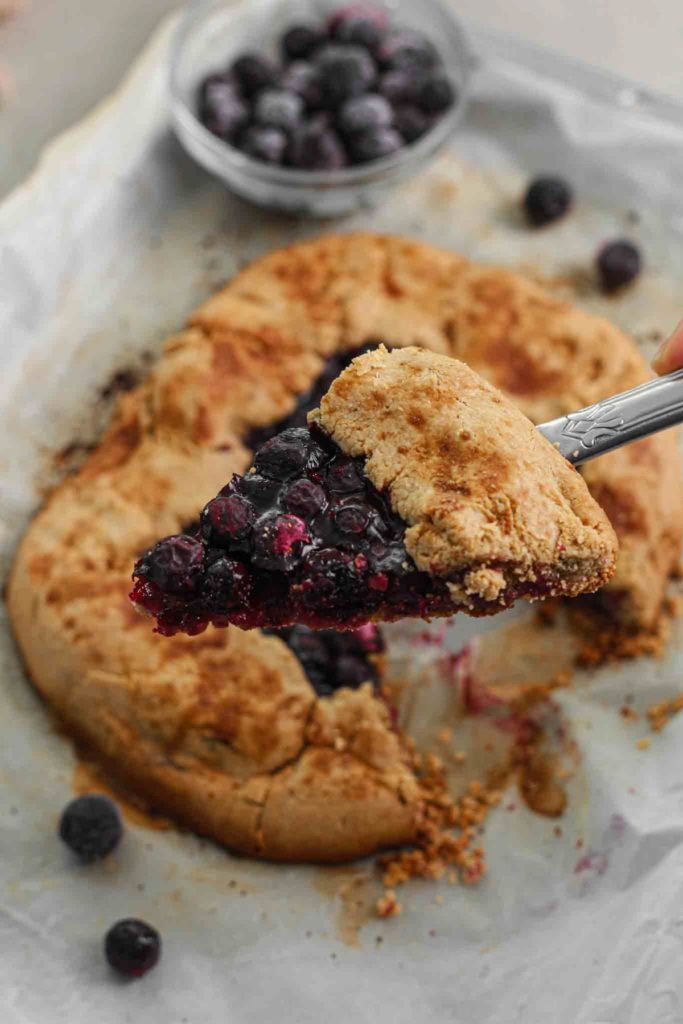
<point>103,251</point>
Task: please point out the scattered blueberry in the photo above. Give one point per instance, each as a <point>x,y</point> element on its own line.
<point>253,73</point>
<point>316,147</point>
<point>355,12</point>
<point>345,71</point>
<point>278,108</point>
<point>300,41</point>
<point>547,199</point>
<point>302,78</point>
<point>91,826</point>
<point>264,143</point>
<point>360,30</point>
<point>410,122</point>
<point>132,947</point>
<point>400,86</point>
<point>436,93</point>
<point>364,112</point>
<point>375,144</point>
<point>618,264</point>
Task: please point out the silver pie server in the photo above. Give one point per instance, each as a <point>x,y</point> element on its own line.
<point>618,420</point>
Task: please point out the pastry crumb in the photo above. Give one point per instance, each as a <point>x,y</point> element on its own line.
<point>387,905</point>
<point>660,714</point>
<point>628,714</point>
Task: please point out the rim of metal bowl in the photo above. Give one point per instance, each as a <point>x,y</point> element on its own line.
<point>413,153</point>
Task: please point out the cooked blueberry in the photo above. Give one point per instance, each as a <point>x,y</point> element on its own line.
<point>227,518</point>
<point>277,541</point>
<point>278,109</point>
<point>266,144</point>
<point>285,455</point>
<point>132,947</point>
<point>352,671</point>
<point>375,144</point>
<point>400,86</point>
<point>388,558</point>
<point>91,826</point>
<point>344,477</point>
<point>253,73</point>
<point>300,41</point>
<point>546,199</point>
<point>345,71</point>
<point>305,498</point>
<point>409,50</point>
<point>436,93</point>
<point>259,489</point>
<point>316,147</point>
<point>302,78</point>
<point>618,264</point>
<point>221,110</point>
<point>351,519</point>
<point>227,580</point>
<point>410,122</point>
<point>359,29</point>
<point>173,564</point>
<point>332,577</point>
<point>365,112</point>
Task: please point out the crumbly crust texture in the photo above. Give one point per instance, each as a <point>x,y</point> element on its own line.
<point>480,489</point>
<point>223,731</point>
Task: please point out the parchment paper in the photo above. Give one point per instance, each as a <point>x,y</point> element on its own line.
<point>103,251</point>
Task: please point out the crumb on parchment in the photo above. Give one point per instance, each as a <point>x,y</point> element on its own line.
<point>643,743</point>
<point>660,714</point>
<point>387,905</point>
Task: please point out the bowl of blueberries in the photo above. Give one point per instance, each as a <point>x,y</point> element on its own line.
<point>315,108</point>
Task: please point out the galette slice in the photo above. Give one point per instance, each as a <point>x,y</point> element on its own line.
<point>417,489</point>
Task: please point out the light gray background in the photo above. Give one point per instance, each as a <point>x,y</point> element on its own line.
<point>60,57</point>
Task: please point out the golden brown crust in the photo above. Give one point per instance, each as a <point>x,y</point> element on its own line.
<point>480,489</point>
<point>223,731</point>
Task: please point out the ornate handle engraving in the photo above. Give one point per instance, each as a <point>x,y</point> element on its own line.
<point>618,420</point>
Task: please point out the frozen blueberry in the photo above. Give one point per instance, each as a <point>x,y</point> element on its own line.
<point>410,122</point>
<point>300,41</point>
<point>316,147</point>
<point>345,71</point>
<point>358,29</point>
<point>302,78</point>
<point>132,947</point>
<point>364,112</point>
<point>408,50</point>
<point>220,108</point>
<point>264,143</point>
<point>618,264</point>
<point>278,108</point>
<point>374,144</point>
<point>91,826</point>
<point>546,199</point>
<point>253,73</point>
<point>436,93</point>
<point>400,86</point>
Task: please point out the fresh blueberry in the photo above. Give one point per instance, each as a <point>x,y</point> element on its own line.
<point>410,122</point>
<point>278,108</point>
<point>91,826</point>
<point>253,73</point>
<point>618,264</point>
<point>374,144</point>
<point>547,199</point>
<point>264,143</point>
<point>316,147</point>
<point>365,112</point>
<point>436,93</point>
<point>354,13</point>
<point>174,564</point>
<point>302,78</point>
<point>300,41</point>
<point>359,30</point>
<point>220,108</point>
<point>132,947</point>
<point>400,86</point>
<point>345,71</point>
<point>408,50</point>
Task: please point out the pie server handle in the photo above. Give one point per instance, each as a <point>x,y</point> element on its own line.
<point>618,420</point>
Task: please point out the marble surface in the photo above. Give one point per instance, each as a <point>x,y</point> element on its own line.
<point>58,58</point>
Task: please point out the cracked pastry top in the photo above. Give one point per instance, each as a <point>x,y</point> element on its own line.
<point>279,745</point>
<point>419,489</point>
